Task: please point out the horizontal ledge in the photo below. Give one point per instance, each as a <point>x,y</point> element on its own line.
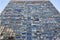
<point>29,0</point>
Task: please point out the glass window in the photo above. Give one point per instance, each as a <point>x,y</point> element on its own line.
<point>18,10</point>
<point>34,28</point>
<point>7,10</point>
<point>23,33</point>
<point>28,33</point>
<point>17,36</point>
<point>57,20</point>
<point>23,36</point>
<point>29,38</point>
<point>36,19</point>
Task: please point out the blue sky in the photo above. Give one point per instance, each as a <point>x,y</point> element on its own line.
<point>3,4</point>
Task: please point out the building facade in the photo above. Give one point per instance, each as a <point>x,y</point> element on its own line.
<point>32,20</point>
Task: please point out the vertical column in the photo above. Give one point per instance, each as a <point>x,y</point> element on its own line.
<point>29,31</point>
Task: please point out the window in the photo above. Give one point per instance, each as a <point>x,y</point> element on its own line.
<point>57,20</point>
<point>34,28</point>
<point>8,10</point>
<point>23,37</point>
<point>36,19</point>
<point>17,36</point>
<point>28,33</point>
<point>23,33</point>
<point>18,10</point>
<point>29,38</point>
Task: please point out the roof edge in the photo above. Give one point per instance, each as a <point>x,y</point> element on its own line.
<point>29,0</point>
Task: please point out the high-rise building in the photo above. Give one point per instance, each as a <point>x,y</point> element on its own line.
<point>0,20</point>
<point>32,20</point>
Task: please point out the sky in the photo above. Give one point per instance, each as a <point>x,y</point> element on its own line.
<point>3,4</point>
